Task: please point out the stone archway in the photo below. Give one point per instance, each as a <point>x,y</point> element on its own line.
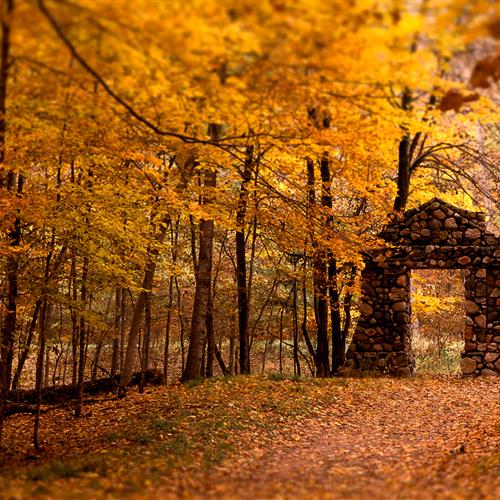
<point>436,235</point>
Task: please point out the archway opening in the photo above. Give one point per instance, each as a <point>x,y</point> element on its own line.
<point>438,319</point>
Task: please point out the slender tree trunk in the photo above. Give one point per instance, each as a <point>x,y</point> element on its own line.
<point>82,342</point>
<point>167,329</point>
<point>210,335</point>
<point>174,239</point>
<point>146,341</point>
<point>281,340</point>
<point>181,324</point>
<point>6,13</point>
<point>75,330</point>
<point>404,161</point>
<point>8,331</point>
<point>336,321</point>
<point>135,327</point>
<point>296,363</point>
<point>231,352</point>
<point>203,272</point>
<point>320,287</point>
<point>123,325</point>
<point>264,356</point>
<point>46,368</point>
<point>59,351</point>
<point>147,285</point>
<point>31,330</point>
<point>403,182</point>
<point>241,273</point>
<point>347,312</point>
<point>115,357</point>
<point>197,336</point>
<point>26,349</point>
<point>7,180</point>
<point>220,360</point>
<point>39,374</point>
<point>97,357</point>
<point>305,333</point>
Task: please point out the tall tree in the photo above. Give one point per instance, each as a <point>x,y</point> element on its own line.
<point>203,272</point>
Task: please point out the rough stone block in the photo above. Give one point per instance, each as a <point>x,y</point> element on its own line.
<point>399,306</point>
<point>480,320</point>
<point>450,223</point>
<point>471,307</point>
<point>402,280</point>
<point>365,309</point>
<point>468,365</point>
<point>491,357</point>
<point>472,233</point>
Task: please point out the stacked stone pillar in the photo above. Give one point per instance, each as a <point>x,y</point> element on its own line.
<point>382,340</point>
<point>481,354</point>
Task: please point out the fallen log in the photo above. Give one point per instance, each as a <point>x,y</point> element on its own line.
<point>13,408</point>
<point>59,394</point>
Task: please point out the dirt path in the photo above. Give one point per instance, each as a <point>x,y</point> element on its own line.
<point>421,440</point>
<point>256,438</point>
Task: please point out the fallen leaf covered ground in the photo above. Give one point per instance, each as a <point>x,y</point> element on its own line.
<point>251,437</point>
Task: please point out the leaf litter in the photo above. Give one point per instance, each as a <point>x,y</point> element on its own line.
<point>252,437</point>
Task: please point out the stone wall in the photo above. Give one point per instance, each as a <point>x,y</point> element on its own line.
<point>382,341</point>
<point>481,354</point>
<point>440,236</point>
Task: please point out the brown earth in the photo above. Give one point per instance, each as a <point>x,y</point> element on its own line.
<point>255,438</point>
<point>420,440</point>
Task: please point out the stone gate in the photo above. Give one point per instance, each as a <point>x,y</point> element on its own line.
<point>436,235</point>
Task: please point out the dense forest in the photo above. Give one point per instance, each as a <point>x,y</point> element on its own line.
<point>188,188</point>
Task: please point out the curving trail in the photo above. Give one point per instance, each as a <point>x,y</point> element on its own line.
<point>424,439</point>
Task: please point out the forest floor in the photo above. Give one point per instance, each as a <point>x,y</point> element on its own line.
<point>252,437</point>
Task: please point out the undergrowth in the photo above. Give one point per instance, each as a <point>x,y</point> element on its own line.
<point>430,357</point>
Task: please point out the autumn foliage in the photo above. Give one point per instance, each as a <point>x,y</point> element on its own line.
<point>190,186</point>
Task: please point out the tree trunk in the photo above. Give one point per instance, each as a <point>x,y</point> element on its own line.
<point>296,364</point>
<point>123,325</point>
<point>404,161</point>
<point>26,350</point>
<point>82,342</point>
<point>210,336</point>
<point>39,374</point>
<point>146,341</point>
<point>241,273</point>
<point>135,326</point>
<point>181,323</point>
<point>231,350</point>
<point>115,358</point>
<point>281,340</point>
<point>403,174</point>
<point>74,323</point>
<point>335,320</point>
<point>197,338</point>
<point>220,360</point>
<point>9,320</point>
<point>7,180</point>
<point>347,312</point>
<point>167,329</point>
<point>320,288</point>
